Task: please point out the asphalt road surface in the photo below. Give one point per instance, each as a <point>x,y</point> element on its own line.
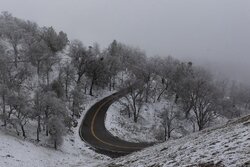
<point>94,133</point>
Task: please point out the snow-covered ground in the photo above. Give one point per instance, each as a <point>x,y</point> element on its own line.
<point>149,127</point>
<point>121,126</point>
<point>15,151</point>
<point>228,145</point>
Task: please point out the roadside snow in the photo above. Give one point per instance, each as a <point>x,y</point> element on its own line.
<point>149,127</point>
<point>123,127</point>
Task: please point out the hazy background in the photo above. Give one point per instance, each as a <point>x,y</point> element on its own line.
<point>215,33</point>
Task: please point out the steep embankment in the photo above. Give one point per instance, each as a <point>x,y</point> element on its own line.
<point>228,145</point>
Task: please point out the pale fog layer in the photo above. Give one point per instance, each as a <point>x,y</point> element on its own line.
<point>209,32</point>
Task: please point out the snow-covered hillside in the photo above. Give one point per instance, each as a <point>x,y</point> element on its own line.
<point>15,151</point>
<point>228,145</point>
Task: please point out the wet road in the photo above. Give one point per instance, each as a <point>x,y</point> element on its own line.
<point>94,133</point>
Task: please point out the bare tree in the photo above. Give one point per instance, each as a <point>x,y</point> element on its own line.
<point>67,77</point>
<point>80,59</point>
<point>169,114</point>
<point>135,100</point>
<point>97,70</point>
<point>205,98</point>
<point>165,69</point>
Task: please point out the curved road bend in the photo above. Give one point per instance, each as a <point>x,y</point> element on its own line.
<point>93,131</point>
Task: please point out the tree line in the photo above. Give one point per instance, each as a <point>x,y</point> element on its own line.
<point>45,79</point>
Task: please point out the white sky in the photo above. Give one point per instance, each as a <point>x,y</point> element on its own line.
<point>211,32</point>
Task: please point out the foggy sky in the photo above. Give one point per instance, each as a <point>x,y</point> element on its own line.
<point>215,33</point>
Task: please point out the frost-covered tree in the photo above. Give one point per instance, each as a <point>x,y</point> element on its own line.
<point>67,77</point>
<point>20,110</point>
<point>204,96</point>
<point>135,99</point>
<point>169,115</point>
<point>56,131</point>
<point>164,69</point>
<point>55,42</point>
<point>79,59</point>
<point>37,54</point>
<point>12,32</point>
<point>37,112</point>
<point>4,71</point>
<point>47,106</point>
<point>113,62</point>
<point>96,71</point>
<point>148,74</point>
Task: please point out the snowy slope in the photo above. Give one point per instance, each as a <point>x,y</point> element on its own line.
<point>121,126</point>
<point>15,151</point>
<point>228,145</point>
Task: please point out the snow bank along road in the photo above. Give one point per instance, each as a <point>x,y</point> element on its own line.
<point>93,131</point>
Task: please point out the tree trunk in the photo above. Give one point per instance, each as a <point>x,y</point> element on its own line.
<point>75,108</point>
<point>66,89</point>
<point>16,55</point>
<point>91,87</point>
<point>38,128</point>
<point>122,77</point>
<point>23,131</point>
<point>55,144</point>
<point>38,73</point>
<point>165,133</point>
<point>113,84</point>
<point>129,113</point>
<point>176,98</point>
<point>188,111</point>
<point>110,84</point>
<point>200,125</point>
<point>17,132</point>
<point>47,74</point>
<point>4,111</point>
<point>78,81</point>
<point>47,119</point>
<point>194,127</point>
<point>135,117</point>
<point>158,98</point>
<point>169,132</point>
<point>85,89</point>
<point>9,114</point>
<point>147,92</point>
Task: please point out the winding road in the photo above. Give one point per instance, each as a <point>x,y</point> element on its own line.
<point>94,133</point>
